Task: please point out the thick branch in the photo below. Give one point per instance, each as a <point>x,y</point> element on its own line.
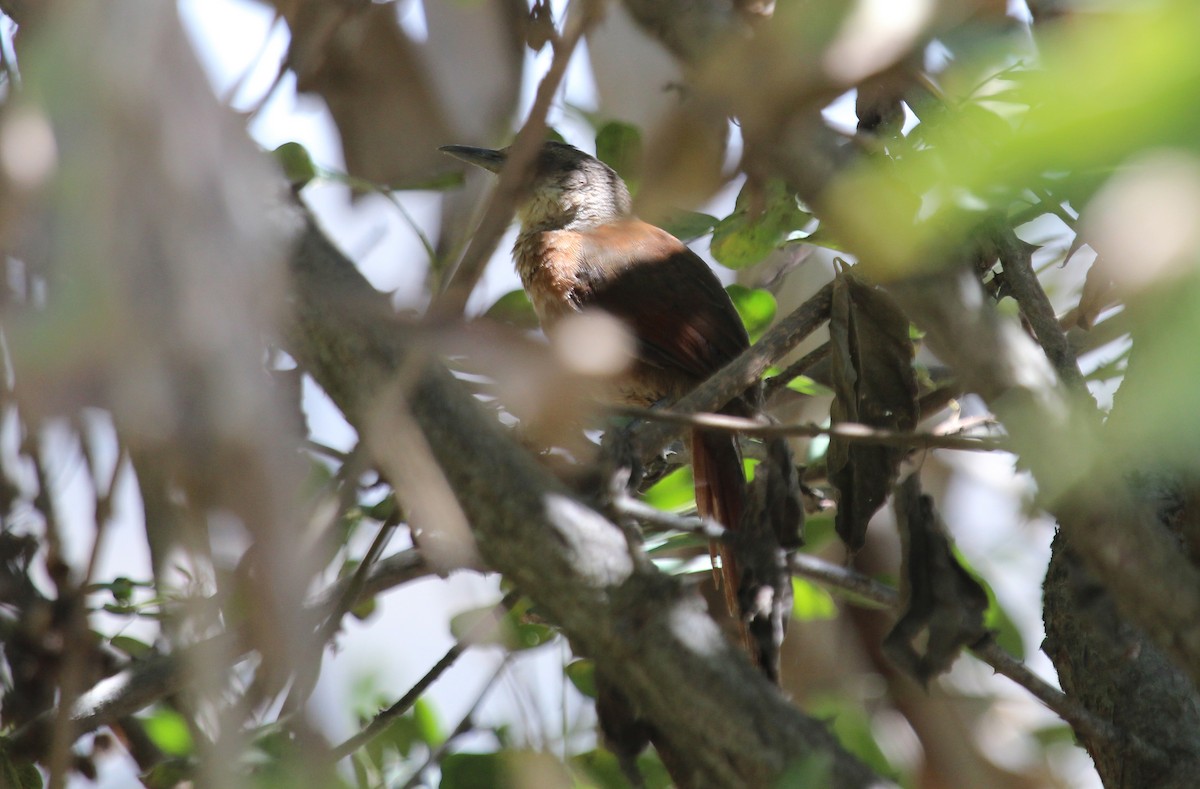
<point>640,626</point>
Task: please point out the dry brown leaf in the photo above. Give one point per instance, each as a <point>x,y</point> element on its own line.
<point>874,385</point>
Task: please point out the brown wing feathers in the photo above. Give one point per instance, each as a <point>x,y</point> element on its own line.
<point>687,334</point>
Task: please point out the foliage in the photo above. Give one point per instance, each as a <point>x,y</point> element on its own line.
<point>142,296</point>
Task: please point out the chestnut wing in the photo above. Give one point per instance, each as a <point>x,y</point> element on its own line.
<point>672,301</point>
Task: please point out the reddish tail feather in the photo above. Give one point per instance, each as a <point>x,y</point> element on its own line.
<point>721,495</point>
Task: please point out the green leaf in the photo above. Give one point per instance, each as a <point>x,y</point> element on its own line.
<point>807,386</point>
<point>169,731</point>
<point>382,510</point>
<point>472,771</point>
<point>582,673</point>
<point>818,530</point>
<point>743,239</point>
<point>674,492</point>
<point>810,602</point>
<point>689,225</point>
<point>755,306</point>
<point>1054,735</point>
<point>363,611</point>
<point>297,163</point>
<point>19,775</point>
<point>130,646</point>
<point>619,145</point>
<point>995,618</point>
<point>604,772</point>
<point>168,774</point>
<point>852,726</point>
<point>514,309</point>
<point>428,725</point>
<point>510,769</point>
<point>815,769</point>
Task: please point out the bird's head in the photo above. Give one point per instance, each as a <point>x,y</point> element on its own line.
<point>569,190</point>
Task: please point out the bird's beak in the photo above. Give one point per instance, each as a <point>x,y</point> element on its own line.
<point>481,157</point>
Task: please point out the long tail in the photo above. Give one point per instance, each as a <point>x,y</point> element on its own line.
<point>721,495</point>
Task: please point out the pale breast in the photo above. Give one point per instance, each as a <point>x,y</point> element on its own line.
<point>545,262</point>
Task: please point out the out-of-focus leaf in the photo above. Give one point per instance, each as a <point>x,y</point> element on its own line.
<point>514,309</point>
<point>1140,67</point>
<point>674,492</point>
<point>807,386</point>
<point>996,619</point>
<point>688,225</point>
<point>824,239</point>
<point>382,510</point>
<point>815,769</point>
<point>873,384</point>
<point>419,726</point>
<point>130,646</point>
<point>818,530</point>
<point>1054,735</point>
<point>539,30</point>
<point>169,731</point>
<point>20,775</point>
<point>297,163</point>
<point>943,605</point>
<point>510,630</point>
<point>508,769</point>
<point>603,771</point>
<point>363,611</point>
<point>619,145</point>
<point>582,674</point>
<point>472,771</point>
<point>747,236</point>
<point>167,774</point>
<point>810,602</point>
<point>428,726</point>
<point>755,306</point>
<point>852,726</point>
<point>372,78</point>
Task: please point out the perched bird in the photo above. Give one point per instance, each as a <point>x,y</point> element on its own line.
<point>580,247</point>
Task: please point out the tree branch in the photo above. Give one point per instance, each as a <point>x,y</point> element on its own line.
<point>851,432</point>
<point>640,626</point>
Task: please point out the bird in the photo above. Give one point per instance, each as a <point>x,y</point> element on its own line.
<point>580,247</point>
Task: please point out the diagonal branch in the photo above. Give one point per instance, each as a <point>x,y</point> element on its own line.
<point>514,177</point>
<point>705,698</point>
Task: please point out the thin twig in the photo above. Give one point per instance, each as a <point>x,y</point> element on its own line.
<point>306,677</point>
<point>987,650</point>
<point>704,527</point>
<point>514,176</point>
<point>1017,257</point>
<point>327,451</point>
<point>358,581</point>
<point>843,578</point>
<point>147,680</point>
<point>465,725</point>
<point>385,717</point>
<point>794,370</point>
<point>851,432</point>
